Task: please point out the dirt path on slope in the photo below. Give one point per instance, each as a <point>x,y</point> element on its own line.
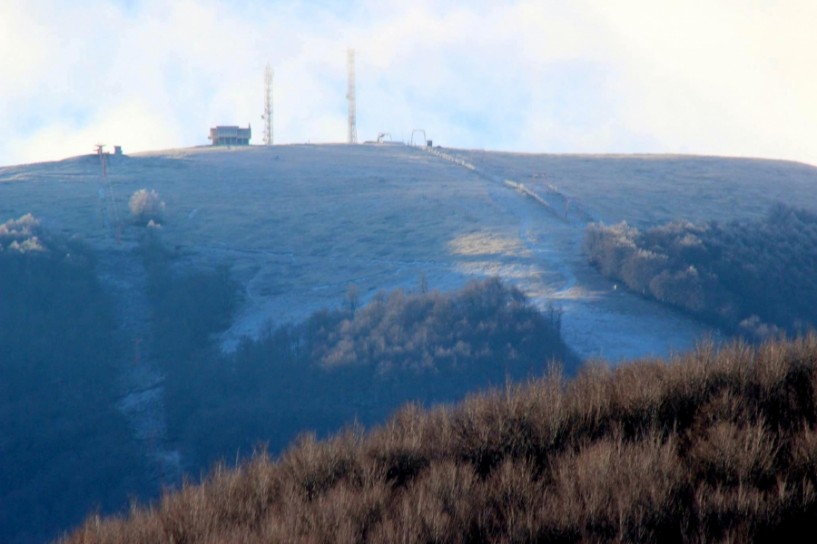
<point>141,382</point>
<point>600,319</point>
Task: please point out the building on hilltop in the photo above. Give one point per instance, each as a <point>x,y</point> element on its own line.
<point>230,135</point>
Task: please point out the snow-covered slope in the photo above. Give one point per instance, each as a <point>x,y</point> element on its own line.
<point>298,224</point>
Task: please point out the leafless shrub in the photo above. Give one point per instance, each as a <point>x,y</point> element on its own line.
<point>315,467</point>
<point>146,206</point>
<point>804,454</point>
<point>22,235</point>
<point>618,491</point>
<point>735,455</point>
<point>685,451</point>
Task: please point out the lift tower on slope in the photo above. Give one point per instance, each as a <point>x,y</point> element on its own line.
<point>267,117</point>
<point>106,194</point>
<point>350,96</point>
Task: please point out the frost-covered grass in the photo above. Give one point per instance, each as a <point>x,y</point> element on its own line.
<point>298,224</point>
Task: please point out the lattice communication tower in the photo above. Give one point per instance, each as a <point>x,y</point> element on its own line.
<point>350,96</point>
<point>267,117</point>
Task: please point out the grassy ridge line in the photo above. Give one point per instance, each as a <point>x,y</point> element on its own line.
<point>714,445</point>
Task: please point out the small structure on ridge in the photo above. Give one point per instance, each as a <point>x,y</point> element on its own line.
<point>230,135</point>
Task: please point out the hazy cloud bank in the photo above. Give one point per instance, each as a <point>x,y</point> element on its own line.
<point>727,78</point>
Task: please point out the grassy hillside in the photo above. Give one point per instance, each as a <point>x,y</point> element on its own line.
<point>281,233</point>
<point>299,223</point>
<point>69,447</point>
<point>352,362</point>
<point>711,446</point>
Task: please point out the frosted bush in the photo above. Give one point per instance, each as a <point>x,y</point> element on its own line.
<point>20,235</point>
<point>19,228</point>
<point>29,245</point>
<point>146,206</point>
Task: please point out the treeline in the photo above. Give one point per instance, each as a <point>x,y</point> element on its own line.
<point>64,448</point>
<point>484,323</point>
<point>340,365</point>
<point>187,306</point>
<point>753,278</point>
<point>715,446</point>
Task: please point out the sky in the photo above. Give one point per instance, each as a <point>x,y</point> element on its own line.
<point>714,77</point>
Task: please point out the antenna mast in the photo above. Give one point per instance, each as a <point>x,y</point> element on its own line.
<point>350,96</point>
<point>267,117</point>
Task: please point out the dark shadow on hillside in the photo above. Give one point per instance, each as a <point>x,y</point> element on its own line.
<point>64,447</point>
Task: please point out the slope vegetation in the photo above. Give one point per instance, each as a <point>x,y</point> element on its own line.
<point>299,223</point>
<point>714,445</point>
<point>58,382</point>
<point>280,233</point>
<point>358,362</point>
<point>752,277</point>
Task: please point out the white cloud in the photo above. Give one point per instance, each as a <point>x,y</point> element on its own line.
<point>709,77</point>
<point>587,76</point>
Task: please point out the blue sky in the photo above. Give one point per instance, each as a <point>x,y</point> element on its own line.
<point>720,77</point>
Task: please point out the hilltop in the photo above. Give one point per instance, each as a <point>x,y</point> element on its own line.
<point>302,287</point>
